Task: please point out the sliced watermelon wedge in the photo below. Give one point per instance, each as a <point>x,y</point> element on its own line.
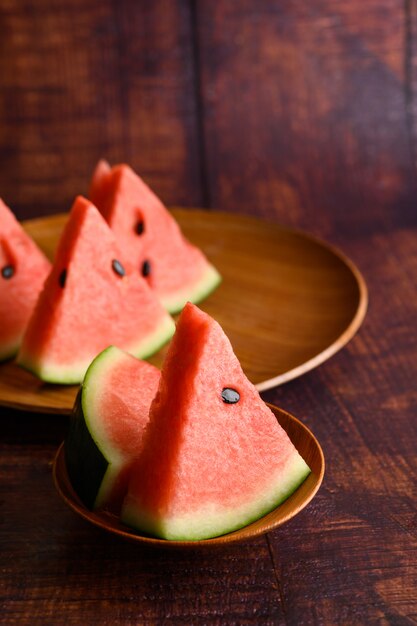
<point>99,191</point>
<point>106,430</point>
<point>91,299</point>
<point>151,238</point>
<point>23,270</point>
<point>214,457</point>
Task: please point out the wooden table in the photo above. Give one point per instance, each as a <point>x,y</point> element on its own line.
<point>349,558</point>
<point>305,113</point>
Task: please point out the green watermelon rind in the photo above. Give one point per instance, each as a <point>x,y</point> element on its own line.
<point>74,374</point>
<point>198,291</point>
<point>92,463</point>
<point>85,463</point>
<point>212,522</point>
<point>95,378</point>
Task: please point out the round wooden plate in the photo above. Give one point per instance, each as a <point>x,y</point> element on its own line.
<point>302,438</point>
<point>287,301</point>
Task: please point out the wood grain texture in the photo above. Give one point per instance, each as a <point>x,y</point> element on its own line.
<point>72,573</point>
<point>305,113</point>
<point>303,302</point>
<point>349,558</point>
<point>306,103</point>
<point>85,80</point>
<point>362,550</point>
<point>410,69</point>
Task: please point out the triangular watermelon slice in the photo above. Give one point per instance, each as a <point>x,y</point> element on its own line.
<point>23,270</point>
<point>214,458</point>
<point>175,269</point>
<point>91,299</point>
<point>107,426</point>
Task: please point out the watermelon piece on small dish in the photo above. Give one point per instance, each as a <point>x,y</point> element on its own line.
<point>153,242</point>
<point>214,457</point>
<point>23,270</point>
<point>91,299</point>
<point>107,426</point>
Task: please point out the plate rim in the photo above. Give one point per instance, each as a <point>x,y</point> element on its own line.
<point>237,536</point>
<point>343,339</point>
<point>275,381</point>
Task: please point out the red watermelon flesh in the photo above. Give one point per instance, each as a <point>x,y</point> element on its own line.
<point>208,467</point>
<point>91,299</point>
<point>177,270</point>
<point>23,270</point>
<point>106,431</point>
<point>98,185</point>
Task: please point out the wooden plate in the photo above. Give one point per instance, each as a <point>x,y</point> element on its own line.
<point>287,302</point>
<point>303,439</point>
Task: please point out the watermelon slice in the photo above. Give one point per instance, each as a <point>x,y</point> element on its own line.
<point>91,299</point>
<point>23,269</point>
<point>106,431</point>
<point>151,238</point>
<point>214,457</point>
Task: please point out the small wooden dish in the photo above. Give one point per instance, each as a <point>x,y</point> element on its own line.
<point>306,444</point>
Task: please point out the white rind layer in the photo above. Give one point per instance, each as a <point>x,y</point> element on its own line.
<point>72,374</point>
<point>95,375</point>
<point>94,380</point>
<point>212,520</point>
<point>107,484</point>
<point>205,285</point>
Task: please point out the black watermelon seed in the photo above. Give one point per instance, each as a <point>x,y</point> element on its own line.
<point>230,396</point>
<point>146,268</point>
<point>118,267</point>
<point>7,271</point>
<point>63,278</point>
<point>140,227</point>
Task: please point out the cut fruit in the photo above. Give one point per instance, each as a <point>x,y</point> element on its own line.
<point>150,237</point>
<point>106,431</point>
<point>23,270</point>
<point>214,458</point>
<point>98,189</point>
<point>91,299</point>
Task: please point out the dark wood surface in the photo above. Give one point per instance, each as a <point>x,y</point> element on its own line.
<point>305,113</point>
